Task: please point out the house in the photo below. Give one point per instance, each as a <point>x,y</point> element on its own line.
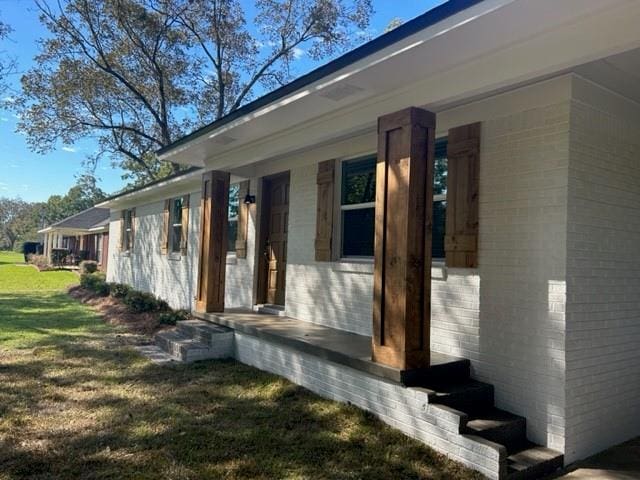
<point>440,227</point>
<point>84,235</point>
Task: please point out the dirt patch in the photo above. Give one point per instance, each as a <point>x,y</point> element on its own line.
<point>114,312</point>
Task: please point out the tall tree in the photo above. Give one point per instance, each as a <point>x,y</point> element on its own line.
<point>83,195</point>
<point>7,62</point>
<point>138,74</point>
<point>15,215</point>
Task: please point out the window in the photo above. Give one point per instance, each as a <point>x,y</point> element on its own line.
<point>127,225</point>
<point>234,204</point>
<point>357,204</point>
<point>175,224</point>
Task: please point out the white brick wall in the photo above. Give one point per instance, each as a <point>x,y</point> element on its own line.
<point>173,279</point>
<point>507,316</point>
<point>603,272</point>
<point>406,409</point>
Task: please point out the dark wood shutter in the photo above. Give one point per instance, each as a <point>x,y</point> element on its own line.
<point>324,210</point>
<point>243,221</point>
<point>463,162</point>
<point>166,217</point>
<point>185,225</point>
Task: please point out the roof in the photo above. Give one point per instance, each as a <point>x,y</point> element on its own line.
<point>405,30</point>
<point>93,217</point>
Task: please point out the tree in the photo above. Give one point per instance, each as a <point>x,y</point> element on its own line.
<point>138,74</point>
<point>14,218</point>
<point>7,63</point>
<point>83,195</point>
<point>393,24</point>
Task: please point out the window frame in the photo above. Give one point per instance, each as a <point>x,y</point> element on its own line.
<point>127,225</point>
<point>339,208</point>
<point>173,225</point>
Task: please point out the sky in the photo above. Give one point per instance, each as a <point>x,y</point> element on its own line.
<point>34,177</point>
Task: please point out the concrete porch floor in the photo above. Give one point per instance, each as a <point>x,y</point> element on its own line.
<point>621,462</point>
<point>337,346</point>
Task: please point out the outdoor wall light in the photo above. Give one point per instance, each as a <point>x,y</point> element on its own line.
<point>249,199</point>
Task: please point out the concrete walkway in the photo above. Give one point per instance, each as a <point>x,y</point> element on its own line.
<point>618,463</point>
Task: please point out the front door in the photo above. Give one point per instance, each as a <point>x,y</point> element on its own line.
<point>275,247</point>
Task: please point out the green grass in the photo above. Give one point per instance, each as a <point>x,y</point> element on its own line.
<point>16,276</point>
<point>76,402</point>
<point>9,257</point>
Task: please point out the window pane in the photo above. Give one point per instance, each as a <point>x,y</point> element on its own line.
<point>359,181</point>
<point>440,167</point>
<point>439,217</point>
<point>176,214</point>
<point>176,237</point>
<point>234,201</point>
<point>232,235</point>
<point>358,232</point>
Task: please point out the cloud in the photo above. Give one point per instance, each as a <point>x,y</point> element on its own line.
<point>4,119</point>
<point>69,149</point>
<point>14,165</point>
<point>298,53</point>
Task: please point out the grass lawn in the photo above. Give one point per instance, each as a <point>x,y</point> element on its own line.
<point>76,402</point>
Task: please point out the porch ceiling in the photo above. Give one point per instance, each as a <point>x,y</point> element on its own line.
<point>619,73</point>
<point>484,49</point>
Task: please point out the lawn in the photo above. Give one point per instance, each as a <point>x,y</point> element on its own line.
<point>76,402</point>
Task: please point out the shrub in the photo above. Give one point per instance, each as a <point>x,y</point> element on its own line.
<point>172,317</point>
<point>58,256</point>
<point>88,266</point>
<point>40,261</point>
<point>119,290</point>
<point>139,302</point>
<point>95,282</point>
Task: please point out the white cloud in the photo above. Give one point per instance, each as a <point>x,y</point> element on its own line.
<point>4,119</point>
<point>298,53</point>
<point>69,149</point>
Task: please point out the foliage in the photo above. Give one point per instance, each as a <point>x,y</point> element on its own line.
<point>8,64</point>
<point>119,290</point>
<point>88,266</point>
<point>95,282</point>
<point>140,302</point>
<point>138,74</point>
<point>40,261</point>
<point>16,221</point>
<point>172,317</point>
<point>83,195</point>
<point>58,256</point>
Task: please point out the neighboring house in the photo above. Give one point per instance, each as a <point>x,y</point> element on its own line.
<point>84,235</point>
<point>521,257</point>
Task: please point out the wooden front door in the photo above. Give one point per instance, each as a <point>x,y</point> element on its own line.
<point>275,245</point>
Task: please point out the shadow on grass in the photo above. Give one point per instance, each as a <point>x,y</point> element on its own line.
<point>90,414</point>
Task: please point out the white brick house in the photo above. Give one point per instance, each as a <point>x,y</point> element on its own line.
<point>548,313</point>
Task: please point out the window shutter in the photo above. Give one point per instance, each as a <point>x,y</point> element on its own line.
<point>243,220</point>
<point>121,245</point>
<point>132,237</point>
<point>324,211</point>
<point>166,215</point>
<point>463,161</point>
<point>185,225</point>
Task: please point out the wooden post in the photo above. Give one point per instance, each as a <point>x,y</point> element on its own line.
<point>402,274</point>
<point>213,241</point>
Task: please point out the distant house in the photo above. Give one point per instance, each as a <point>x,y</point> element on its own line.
<point>440,227</point>
<point>84,235</point>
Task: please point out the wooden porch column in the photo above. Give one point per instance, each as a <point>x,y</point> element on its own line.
<point>404,206</point>
<point>213,241</point>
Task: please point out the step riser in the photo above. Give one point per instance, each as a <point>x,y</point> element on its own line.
<point>470,402</point>
<point>194,332</point>
<point>512,435</point>
<point>537,471</point>
<point>219,345</point>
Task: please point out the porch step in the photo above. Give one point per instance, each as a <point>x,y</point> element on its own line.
<point>474,401</point>
<point>533,461</point>
<point>191,341</point>
<point>269,309</point>
<point>500,427</point>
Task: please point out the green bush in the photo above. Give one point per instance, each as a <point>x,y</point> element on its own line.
<point>40,261</point>
<point>88,266</point>
<point>119,290</point>
<point>95,282</point>
<point>139,302</point>
<point>172,317</point>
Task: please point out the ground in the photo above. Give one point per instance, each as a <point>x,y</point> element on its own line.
<point>76,402</point>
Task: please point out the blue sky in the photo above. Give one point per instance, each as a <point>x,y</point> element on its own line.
<point>35,177</point>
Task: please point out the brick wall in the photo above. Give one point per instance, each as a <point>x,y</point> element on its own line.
<point>603,271</point>
<point>171,277</point>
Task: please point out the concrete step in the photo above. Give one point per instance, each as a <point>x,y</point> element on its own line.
<point>201,330</point>
<point>533,462</point>
<point>500,427</point>
<point>269,309</point>
<point>186,344</point>
<point>471,397</point>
